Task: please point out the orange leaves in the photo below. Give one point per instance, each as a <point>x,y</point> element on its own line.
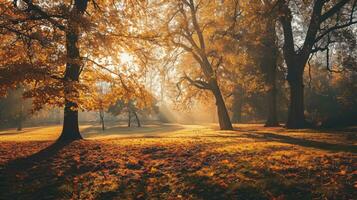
<point>42,47</point>
<point>186,165</point>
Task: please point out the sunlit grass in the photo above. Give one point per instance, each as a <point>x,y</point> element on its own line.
<point>31,134</point>
<point>175,161</point>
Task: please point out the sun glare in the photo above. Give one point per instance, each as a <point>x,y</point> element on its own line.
<point>126,58</point>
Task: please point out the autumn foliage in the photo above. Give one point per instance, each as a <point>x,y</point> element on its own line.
<point>280,64</point>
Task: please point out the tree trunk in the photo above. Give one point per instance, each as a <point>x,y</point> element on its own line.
<point>296,117</point>
<point>272,118</point>
<point>296,60</point>
<point>70,129</point>
<point>101,116</point>
<point>223,116</point>
<point>137,119</point>
<point>268,65</point>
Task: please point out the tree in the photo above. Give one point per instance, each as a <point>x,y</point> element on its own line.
<point>70,129</point>
<point>189,29</point>
<point>101,103</point>
<point>46,51</point>
<point>330,100</point>
<point>25,13</point>
<point>120,106</point>
<point>136,98</point>
<point>326,17</point>
<point>251,26</point>
<point>268,63</point>
<point>259,24</point>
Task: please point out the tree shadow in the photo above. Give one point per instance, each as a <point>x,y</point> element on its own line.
<point>44,154</point>
<point>30,171</point>
<point>266,185</point>
<point>303,142</point>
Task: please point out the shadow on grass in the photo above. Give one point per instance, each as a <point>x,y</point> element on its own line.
<point>190,185</point>
<point>303,142</point>
<point>31,171</point>
<point>44,154</point>
<point>268,187</point>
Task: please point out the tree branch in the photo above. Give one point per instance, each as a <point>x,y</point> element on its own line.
<point>197,83</point>
<point>333,10</point>
<point>38,10</point>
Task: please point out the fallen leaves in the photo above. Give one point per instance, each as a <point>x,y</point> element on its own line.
<point>181,168</point>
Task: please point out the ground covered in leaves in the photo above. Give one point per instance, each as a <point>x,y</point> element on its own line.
<point>180,162</point>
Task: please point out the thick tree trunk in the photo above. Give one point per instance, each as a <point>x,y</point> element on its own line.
<point>70,129</point>
<point>272,118</point>
<point>268,64</point>
<point>296,117</point>
<point>137,118</point>
<point>223,116</point>
<point>296,60</point>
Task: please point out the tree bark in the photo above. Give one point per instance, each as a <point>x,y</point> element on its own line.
<point>223,116</point>
<point>272,117</point>
<point>269,63</point>
<point>70,129</point>
<point>296,117</point>
<point>265,55</point>
<point>272,120</point>
<point>296,60</point>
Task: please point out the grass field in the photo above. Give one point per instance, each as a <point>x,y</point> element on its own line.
<point>173,161</point>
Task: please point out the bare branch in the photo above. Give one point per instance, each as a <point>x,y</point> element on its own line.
<point>197,83</point>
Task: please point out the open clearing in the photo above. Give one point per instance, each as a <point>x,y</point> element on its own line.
<point>173,161</point>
